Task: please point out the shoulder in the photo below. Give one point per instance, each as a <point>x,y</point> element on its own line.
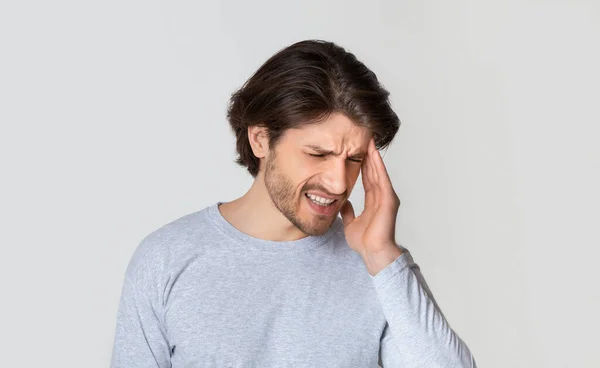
<point>158,249</point>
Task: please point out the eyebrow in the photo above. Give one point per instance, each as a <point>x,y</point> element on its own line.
<point>323,151</point>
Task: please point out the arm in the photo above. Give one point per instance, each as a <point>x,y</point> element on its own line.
<point>140,338</point>
<point>416,334</point>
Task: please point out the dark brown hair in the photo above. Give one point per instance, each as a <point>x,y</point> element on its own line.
<point>304,83</point>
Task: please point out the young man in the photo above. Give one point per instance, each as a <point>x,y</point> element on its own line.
<point>275,278</point>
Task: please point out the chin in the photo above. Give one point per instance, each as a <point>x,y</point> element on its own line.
<point>311,223</point>
<point>317,232</point>
<point>317,226</point>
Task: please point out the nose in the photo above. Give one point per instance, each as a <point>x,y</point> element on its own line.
<point>334,177</point>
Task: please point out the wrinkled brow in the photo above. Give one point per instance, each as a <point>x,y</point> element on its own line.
<point>324,151</point>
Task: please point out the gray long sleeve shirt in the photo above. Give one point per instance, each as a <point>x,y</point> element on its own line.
<point>200,293</point>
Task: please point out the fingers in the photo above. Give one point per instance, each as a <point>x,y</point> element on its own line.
<point>373,154</point>
<point>379,175</point>
<point>365,170</point>
<point>368,184</point>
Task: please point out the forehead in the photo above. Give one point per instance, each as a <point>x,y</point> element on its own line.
<point>337,130</point>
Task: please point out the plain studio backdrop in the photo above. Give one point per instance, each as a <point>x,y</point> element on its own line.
<point>113,124</point>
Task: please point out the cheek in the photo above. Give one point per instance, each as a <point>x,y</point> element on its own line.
<point>306,168</point>
<point>302,173</point>
<point>353,171</point>
<point>352,176</point>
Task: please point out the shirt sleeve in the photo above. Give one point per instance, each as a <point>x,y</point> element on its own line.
<point>140,337</point>
<point>416,333</point>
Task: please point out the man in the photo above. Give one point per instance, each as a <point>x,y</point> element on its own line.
<point>275,278</point>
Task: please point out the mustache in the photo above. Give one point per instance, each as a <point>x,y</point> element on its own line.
<point>318,187</point>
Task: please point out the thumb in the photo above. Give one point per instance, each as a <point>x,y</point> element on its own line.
<point>347,212</point>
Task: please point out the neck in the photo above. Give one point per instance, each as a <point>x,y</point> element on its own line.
<point>255,214</point>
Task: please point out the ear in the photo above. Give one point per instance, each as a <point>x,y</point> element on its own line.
<point>259,140</point>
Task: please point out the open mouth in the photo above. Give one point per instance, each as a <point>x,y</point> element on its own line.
<point>319,201</point>
<point>320,205</point>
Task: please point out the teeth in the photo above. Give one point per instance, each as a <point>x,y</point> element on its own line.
<point>320,200</point>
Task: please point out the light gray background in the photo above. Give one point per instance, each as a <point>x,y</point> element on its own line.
<point>113,124</point>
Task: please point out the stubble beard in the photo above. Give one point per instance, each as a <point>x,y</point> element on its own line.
<point>281,191</point>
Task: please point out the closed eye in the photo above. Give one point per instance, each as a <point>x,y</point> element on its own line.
<point>357,160</point>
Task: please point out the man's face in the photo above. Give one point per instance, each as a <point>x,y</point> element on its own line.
<point>311,171</point>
